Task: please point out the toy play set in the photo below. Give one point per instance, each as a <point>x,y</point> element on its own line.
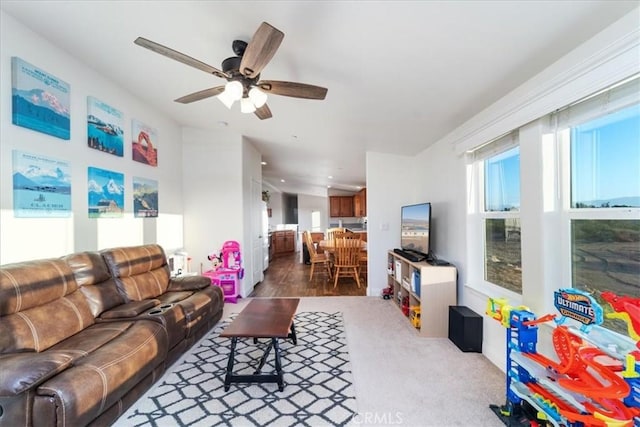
<point>227,270</point>
<point>594,379</point>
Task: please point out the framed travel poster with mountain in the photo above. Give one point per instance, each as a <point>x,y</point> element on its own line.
<point>106,193</point>
<point>41,186</point>
<point>144,144</point>
<point>104,127</point>
<point>39,101</point>
<point>145,198</point>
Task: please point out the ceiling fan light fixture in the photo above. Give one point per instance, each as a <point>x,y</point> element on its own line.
<point>234,90</point>
<point>246,106</point>
<point>258,97</point>
<point>226,99</point>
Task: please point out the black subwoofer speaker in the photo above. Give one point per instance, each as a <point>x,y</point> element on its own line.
<point>465,328</point>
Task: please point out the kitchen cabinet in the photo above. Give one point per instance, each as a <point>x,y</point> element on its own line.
<point>272,247</point>
<point>341,206</point>
<point>360,203</point>
<point>284,242</point>
<point>346,206</point>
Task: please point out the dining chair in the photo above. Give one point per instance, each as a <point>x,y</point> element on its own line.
<point>347,235</point>
<point>316,258</point>
<point>332,231</point>
<point>363,262</point>
<point>346,259</point>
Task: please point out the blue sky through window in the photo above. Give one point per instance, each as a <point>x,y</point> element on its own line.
<point>605,160</point>
<point>502,181</point>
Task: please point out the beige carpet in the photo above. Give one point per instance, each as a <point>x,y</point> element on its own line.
<point>399,377</point>
<point>403,379</point>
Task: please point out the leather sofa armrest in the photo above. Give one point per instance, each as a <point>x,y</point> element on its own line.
<point>130,309</point>
<point>25,371</point>
<point>188,283</point>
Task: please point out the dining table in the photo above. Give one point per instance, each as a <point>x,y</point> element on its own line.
<point>329,245</point>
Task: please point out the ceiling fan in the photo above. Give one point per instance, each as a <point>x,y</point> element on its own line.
<point>242,73</point>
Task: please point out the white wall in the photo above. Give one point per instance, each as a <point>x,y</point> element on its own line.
<point>308,204</point>
<point>609,57</point>
<point>219,167</point>
<point>252,217</point>
<point>386,193</point>
<point>277,212</point>
<point>213,192</point>
<point>24,239</point>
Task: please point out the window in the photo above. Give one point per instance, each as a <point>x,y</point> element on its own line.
<point>315,221</point>
<point>605,161</point>
<point>578,172</point>
<point>604,218</point>
<point>502,251</point>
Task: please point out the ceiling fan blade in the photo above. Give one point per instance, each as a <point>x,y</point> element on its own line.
<point>295,90</point>
<point>260,50</point>
<point>263,112</point>
<point>197,96</point>
<point>180,57</point>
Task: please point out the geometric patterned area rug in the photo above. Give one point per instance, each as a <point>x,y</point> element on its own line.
<point>318,382</point>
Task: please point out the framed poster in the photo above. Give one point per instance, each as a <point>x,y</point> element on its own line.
<point>39,101</point>
<point>104,127</point>
<point>41,186</point>
<point>106,193</point>
<point>144,143</point>
<point>145,198</point>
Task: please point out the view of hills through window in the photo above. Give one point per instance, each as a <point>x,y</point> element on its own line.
<point>605,178</point>
<point>503,256</point>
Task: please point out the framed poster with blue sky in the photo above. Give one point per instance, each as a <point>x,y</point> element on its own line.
<point>41,186</point>
<point>39,101</point>
<point>104,127</point>
<point>144,144</point>
<point>106,193</point>
<point>145,198</point>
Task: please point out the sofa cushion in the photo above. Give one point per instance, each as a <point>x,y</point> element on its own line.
<point>38,328</point>
<point>23,371</point>
<point>96,382</point>
<point>95,281</point>
<point>141,272</point>
<point>91,339</point>
<point>174,297</point>
<point>30,284</point>
<point>40,305</point>
<point>188,283</point>
<point>130,309</point>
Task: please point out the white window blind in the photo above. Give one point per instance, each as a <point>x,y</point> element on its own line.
<point>615,98</point>
<point>494,147</point>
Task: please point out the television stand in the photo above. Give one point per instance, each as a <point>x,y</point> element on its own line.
<point>423,293</point>
<point>410,255</point>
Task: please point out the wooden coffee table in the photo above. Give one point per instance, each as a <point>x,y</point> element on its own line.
<point>262,318</point>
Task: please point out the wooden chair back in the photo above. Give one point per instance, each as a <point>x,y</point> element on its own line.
<point>347,252</point>
<point>311,247</point>
<point>332,231</point>
<point>347,235</point>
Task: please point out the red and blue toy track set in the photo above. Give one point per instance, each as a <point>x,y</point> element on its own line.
<point>595,381</point>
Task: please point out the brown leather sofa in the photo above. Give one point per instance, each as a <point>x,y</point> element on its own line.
<point>82,337</point>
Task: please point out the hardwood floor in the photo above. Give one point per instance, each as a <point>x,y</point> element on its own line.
<point>288,277</point>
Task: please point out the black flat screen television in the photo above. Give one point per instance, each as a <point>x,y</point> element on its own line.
<point>415,228</point>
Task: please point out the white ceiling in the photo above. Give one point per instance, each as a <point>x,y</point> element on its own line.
<point>400,74</point>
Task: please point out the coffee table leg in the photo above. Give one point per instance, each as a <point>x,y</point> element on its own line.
<point>227,379</point>
<point>292,334</point>
<point>276,350</point>
<point>263,359</point>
